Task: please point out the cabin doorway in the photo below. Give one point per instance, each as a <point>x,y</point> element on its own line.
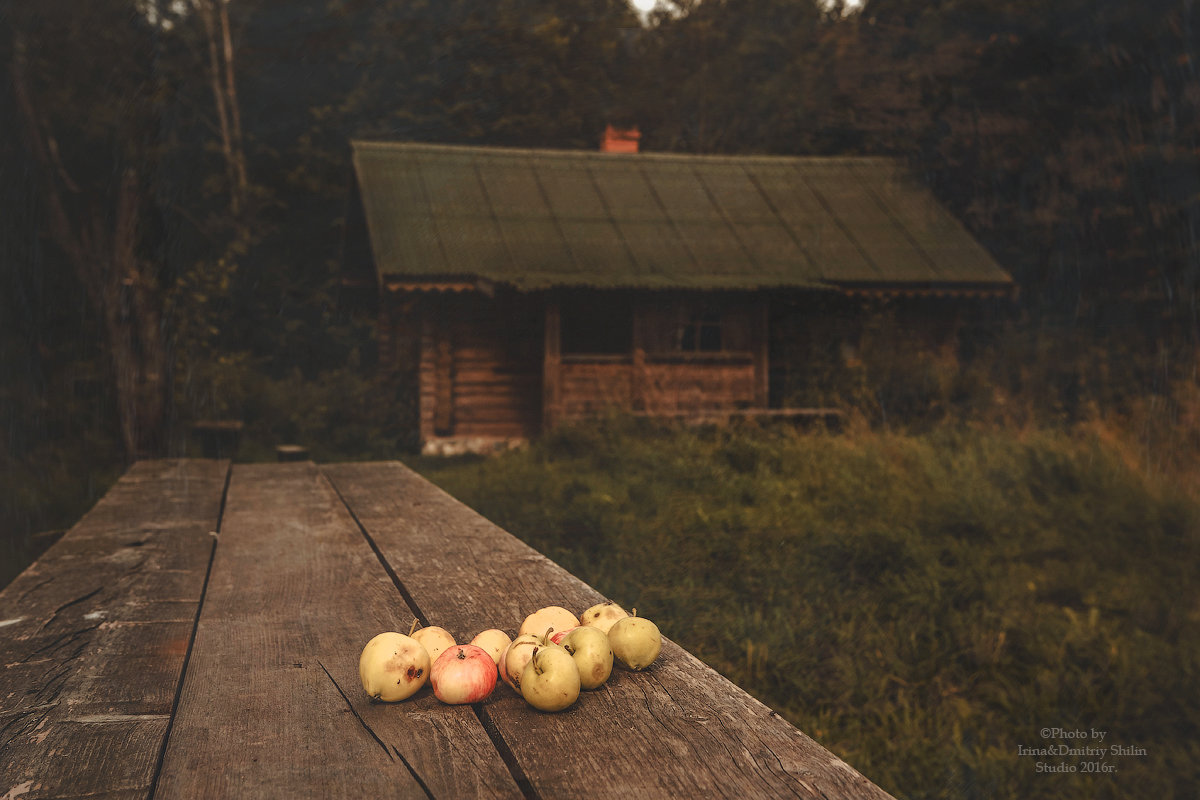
<point>482,369</point>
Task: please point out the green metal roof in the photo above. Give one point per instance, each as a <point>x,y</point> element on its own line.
<point>541,218</point>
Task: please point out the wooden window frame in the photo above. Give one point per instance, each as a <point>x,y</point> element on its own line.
<point>696,336</point>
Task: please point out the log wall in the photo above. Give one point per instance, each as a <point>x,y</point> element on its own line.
<point>589,387</point>
<point>674,387</point>
<point>656,385</point>
<point>480,368</point>
<point>491,367</point>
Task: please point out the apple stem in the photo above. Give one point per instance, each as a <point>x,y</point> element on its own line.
<point>413,629</point>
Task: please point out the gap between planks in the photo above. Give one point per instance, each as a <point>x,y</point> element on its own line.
<point>187,656</point>
<point>489,727</point>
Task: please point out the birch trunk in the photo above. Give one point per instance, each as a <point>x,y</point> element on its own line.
<point>221,102</point>
<point>231,101</point>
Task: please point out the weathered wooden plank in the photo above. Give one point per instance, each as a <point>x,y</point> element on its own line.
<point>426,380</point>
<point>272,705</point>
<point>95,632</point>
<point>486,426</point>
<point>594,386</point>
<point>493,415</point>
<point>509,386</point>
<point>761,343</point>
<point>514,403</point>
<point>494,353</point>
<point>551,377</point>
<point>443,378</point>
<point>678,729</point>
<point>490,431</point>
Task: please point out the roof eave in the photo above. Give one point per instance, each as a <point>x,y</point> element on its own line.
<point>997,289</point>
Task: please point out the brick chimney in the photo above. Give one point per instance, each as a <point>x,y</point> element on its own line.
<point>620,140</point>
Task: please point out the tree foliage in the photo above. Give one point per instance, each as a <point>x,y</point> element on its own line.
<point>514,72</point>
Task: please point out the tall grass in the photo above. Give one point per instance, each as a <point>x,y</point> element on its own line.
<point>921,604</point>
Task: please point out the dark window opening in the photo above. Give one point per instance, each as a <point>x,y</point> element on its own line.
<point>596,324</point>
<point>703,333</point>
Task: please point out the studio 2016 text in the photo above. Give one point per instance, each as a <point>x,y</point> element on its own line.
<point>1077,750</point>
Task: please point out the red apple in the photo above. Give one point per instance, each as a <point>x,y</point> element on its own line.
<point>464,673</point>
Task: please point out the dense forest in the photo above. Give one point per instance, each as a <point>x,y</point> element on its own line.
<point>175,178</point>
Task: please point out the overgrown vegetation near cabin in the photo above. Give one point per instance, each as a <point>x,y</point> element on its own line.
<point>922,604</point>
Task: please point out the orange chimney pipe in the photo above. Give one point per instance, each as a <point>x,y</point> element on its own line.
<point>620,140</point>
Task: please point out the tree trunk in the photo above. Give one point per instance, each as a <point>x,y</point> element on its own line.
<point>133,319</point>
<point>215,16</point>
<point>235,115</point>
<point>105,257</point>
<point>219,102</point>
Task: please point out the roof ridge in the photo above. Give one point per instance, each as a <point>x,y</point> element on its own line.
<point>650,155</point>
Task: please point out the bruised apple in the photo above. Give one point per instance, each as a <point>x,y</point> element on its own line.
<point>635,641</point>
<point>435,640</point>
<point>553,617</point>
<point>514,659</point>
<point>603,615</point>
<point>393,666</point>
<point>494,641</point>
<point>464,673</point>
<point>593,655</point>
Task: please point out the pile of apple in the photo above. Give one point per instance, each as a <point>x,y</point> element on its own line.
<point>553,658</point>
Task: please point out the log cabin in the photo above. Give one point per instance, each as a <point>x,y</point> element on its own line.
<point>521,288</point>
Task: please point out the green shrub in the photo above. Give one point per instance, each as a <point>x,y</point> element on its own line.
<point>338,414</point>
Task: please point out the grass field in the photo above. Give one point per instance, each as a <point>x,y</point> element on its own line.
<point>923,605</point>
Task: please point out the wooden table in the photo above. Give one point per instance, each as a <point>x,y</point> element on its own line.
<point>197,635</point>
